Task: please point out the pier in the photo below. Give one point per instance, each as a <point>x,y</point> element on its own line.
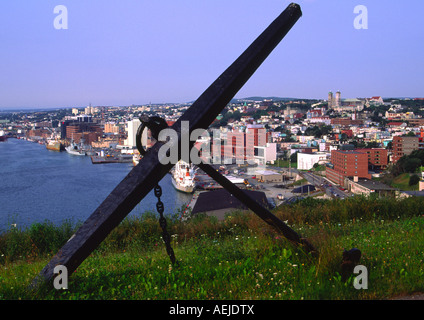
<point>111,159</point>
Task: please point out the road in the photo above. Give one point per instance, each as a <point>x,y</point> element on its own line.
<point>330,189</point>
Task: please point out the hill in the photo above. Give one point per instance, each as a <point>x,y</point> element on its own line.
<point>238,258</point>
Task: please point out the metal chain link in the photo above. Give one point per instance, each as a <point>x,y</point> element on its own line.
<point>155,124</point>
<point>162,222</point>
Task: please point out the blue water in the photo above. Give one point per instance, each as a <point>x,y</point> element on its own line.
<point>38,185</point>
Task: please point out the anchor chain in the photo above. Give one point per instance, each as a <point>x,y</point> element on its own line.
<point>163,224</point>
<point>155,124</point>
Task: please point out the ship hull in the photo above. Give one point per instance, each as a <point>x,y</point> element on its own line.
<point>75,152</point>
<point>54,146</point>
<point>184,189</point>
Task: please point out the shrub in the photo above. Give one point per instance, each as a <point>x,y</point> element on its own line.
<point>413,180</point>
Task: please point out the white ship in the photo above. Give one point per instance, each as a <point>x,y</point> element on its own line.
<point>80,149</point>
<point>183,177</point>
<point>75,149</point>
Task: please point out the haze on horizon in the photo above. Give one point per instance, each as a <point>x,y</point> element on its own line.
<point>141,52</point>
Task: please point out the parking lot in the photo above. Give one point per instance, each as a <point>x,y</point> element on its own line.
<point>276,192</point>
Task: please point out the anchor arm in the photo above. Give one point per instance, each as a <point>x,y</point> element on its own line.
<point>262,212</point>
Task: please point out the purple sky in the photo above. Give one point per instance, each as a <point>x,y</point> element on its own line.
<point>136,51</point>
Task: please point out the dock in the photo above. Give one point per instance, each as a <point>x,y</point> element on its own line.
<point>111,159</point>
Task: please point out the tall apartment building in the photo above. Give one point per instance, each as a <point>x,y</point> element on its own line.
<point>111,128</point>
<point>377,157</point>
<point>235,147</point>
<point>131,141</point>
<point>347,163</point>
<point>404,146</point>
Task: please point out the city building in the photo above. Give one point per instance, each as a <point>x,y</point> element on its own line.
<point>77,130</point>
<point>219,203</point>
<point>252,145</point>
<point>376,100</point>
<point>330,100</point>
<point>84,118</point>
<point>131,141</point>
<point>368,187</point>
<point>347,163</point>
<point>346,122</point>
<point>265,154</point>
<point>403,146</point>
<point>306,161</point>
<point>377,158</point>
<point>416,122</point>
<point>268,176</point>
<point>111,128</point>
<point>334,101</point>
<point>338,100</point>
<point>235,147</point>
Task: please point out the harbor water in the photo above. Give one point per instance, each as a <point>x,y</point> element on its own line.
<point>38,185</point>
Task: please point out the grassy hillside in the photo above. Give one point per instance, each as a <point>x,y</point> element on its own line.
<point>239,258</point>
<point>401,182</point>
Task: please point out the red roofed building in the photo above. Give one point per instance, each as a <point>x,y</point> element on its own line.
<point>394,124</point>
<point>376,99</point>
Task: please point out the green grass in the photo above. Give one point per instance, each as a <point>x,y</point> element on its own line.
<point>299,182</point>
<point>284,164</point>
<point>402,182</point>
<point>242,257</point>
<point>319,168</point>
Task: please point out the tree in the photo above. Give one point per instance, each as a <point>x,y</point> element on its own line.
<point>293,157</point>
<point>411,164</point>
<point>413,180</point>
<point>372,144</point>
<point>343,137</point>
<point>410,134</point>
<point>418,154</point>
<point>325,130</point>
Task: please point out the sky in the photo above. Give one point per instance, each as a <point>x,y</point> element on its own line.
<point>116,53</point>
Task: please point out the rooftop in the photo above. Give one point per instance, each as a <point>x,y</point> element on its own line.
<point>349,151</point>
<point>222,199</point>
<point>375,185</point>
<point>266,172</point>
